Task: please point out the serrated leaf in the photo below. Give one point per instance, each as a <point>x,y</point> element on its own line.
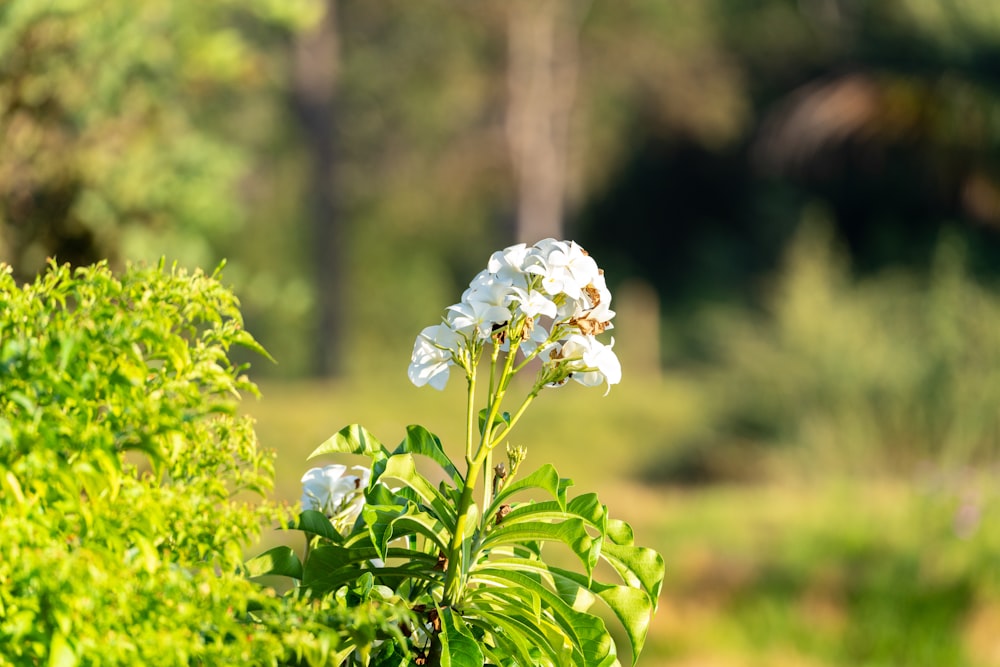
<point>353,439</point>
<point>458,647</point>
<point>421,441</point>
<point>280,561</point>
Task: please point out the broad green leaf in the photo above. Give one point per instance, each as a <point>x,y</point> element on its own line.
<point>421,441</point>
<point>586,507</point>
<point>458,647</point>
<point>403,468</point>
<point>592,644</point>
<point>361,588</point>
<point>280,561</point>
<point>631,606</point>
<point>312,521</point>
<point>412,521</point>
<point>379,522</point>
<point>325,560</point>
<point>638,566</point>
<point>522,636</point>
<point>620,532</point>
<point>353,439</point>
<point>545,478</point>
<point>634,611</point>
<point>331,566</point>
<point>527,602</point>
<point>387,523</point>
<point>571,532</point>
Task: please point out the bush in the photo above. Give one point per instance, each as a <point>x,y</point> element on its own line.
<point>128,482</point>
<point>887,372</point>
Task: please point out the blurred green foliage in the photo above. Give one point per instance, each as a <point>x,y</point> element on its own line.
<point>127,129</point>
<point>701,134</point>
<point>882,373</point>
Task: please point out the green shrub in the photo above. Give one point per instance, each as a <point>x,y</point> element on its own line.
<point>129,484</point>
<point>886,372</point>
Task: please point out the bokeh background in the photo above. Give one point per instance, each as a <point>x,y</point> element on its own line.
<point>797,204</point>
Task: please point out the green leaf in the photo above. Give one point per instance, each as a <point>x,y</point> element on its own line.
<point>280,560</point>
<point>379,522</point>
<point>387,522</point>
<point>520,637</point>
<point>312,521</point>
<point>331,566</point>
<point>586,507</point>
<point>571,532</point>
<point>421,441</point>
<point>60,653</point>
<point>503,418</point>
<point>325,560</point>
<point>631,606</point>
<point>353,439</point>
<point>638,566</point>
<point>243,338</point>
<point>403,468</point>
<point>586,633</point>
<point>361,589</point>
<point>545,478</point>
<point>458,647</point>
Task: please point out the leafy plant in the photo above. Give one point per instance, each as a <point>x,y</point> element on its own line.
<point>479,579</point>
<point>129,485</point>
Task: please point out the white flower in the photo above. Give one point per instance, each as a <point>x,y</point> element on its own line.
<point>508,265</point>
<point>530,297</point>
<point>476,318</point>
<point>330,491</point>
<point>533,303</point>
<point>564,266</point>
<point>590,361</point>
<point>433,356</point>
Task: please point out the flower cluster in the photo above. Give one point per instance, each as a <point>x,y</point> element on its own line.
<point>337,495</point>
<point>549,301</point>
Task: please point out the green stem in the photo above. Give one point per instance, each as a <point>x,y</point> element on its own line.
<point>454,583</point>
<point>487,482</point>
<point>470,415</point>
<point>513,420</point>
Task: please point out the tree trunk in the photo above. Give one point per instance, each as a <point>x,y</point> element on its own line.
<point>314,81</point>
<point>542,71</point>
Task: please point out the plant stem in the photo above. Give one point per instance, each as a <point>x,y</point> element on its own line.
<point>454,577</point>
<point>513,420</point>
<point>470,415</point>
